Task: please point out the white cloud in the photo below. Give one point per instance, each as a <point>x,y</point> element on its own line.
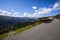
<point>56,6</point>
<point>5,13</point>
<point>27,15</point>
<point>15,14</point>
<point>45,10</point>
<point>34,7</point>
<point>12,14</point>
<point>35,15</point>
<point>37,12</point>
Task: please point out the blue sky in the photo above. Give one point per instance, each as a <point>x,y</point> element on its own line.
<point>29,8</point>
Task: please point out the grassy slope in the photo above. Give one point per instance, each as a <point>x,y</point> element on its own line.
<point>57,16</point>
<point>3,36</point>
<point>18,30</point>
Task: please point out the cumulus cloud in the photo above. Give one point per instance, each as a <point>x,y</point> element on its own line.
<point>37,12</point>
<point>34,7</point>
<point>15,14</point>
<point>11,14</point>
<point>56,6</point>
<point>43,10</point>
<point>27,15</point>
<point>5,13</point>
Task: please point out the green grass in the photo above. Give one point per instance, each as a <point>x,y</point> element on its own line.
<point>18,30</point>
<point>22,29</point>
<point>3,36</point>
<point>27,27</point>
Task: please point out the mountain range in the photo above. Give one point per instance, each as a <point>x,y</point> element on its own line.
<point>9,21</point>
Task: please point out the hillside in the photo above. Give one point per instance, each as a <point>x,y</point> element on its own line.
<point>13,24</point>
<point>9,21</point>
<point>57,16</point>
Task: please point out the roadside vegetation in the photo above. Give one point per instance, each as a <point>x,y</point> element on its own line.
<point>4,32</point>
<point>57,16</point>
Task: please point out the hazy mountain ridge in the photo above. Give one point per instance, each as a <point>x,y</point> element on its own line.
<point>6,20</point>
<point>12,23</point>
